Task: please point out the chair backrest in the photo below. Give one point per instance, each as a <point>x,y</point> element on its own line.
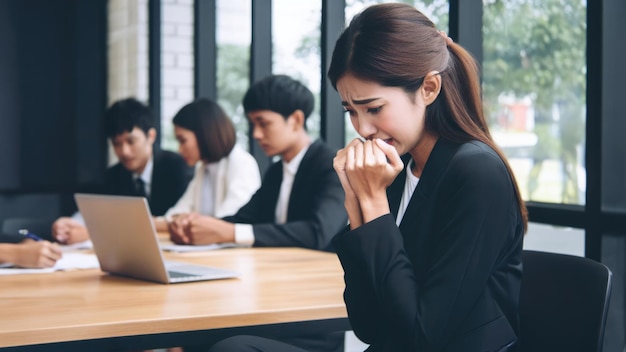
<point>563,303</point>
<point>40,226</point>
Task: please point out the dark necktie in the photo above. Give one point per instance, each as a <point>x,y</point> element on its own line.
<point>140,187</point>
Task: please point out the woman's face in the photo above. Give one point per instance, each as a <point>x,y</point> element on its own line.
<point>387,113</point>
<point>187,145</point>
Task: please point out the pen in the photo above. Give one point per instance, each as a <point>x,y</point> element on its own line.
<point>30,235</point>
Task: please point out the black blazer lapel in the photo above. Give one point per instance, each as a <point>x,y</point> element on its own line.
<point>273,179</point>
<point>435,166</point>
<point>301,188</point>
<point>394,191</point>
<point>162,183</point>
<point>122,182</point>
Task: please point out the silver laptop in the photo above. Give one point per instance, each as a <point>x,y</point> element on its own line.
<point>126,242</point>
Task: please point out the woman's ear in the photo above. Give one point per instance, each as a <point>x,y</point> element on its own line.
<point>431,87</point>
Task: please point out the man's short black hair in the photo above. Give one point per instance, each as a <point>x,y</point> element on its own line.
<point>126,114</point>
<point>281,94</point>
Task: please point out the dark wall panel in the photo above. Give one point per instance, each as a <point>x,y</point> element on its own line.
<point>9,109</point>
<point>45,42</point>
<point>90,90</point>
<point>52,97</point>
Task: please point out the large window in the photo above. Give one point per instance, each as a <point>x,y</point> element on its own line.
<point>233,61</point>
<point>534,74</point>
<point>127,46</point>
<point>177,64</point>
<point>296,43</point>
<point>129,64</point>
<point>436,10</point>
<point>534,93</point>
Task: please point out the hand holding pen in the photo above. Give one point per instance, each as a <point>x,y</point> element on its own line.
<point>37,253</point>
<point>28,234</point>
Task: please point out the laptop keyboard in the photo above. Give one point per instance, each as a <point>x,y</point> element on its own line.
<point>181,272</point>
<point>177,275</point>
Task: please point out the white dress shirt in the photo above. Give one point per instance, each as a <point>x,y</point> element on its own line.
<point>409,187</point>
<point>207,198</point>
<point>232,181</point>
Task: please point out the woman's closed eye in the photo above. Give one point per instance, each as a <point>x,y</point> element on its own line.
<point>375,110</point>
<point>372,111</point>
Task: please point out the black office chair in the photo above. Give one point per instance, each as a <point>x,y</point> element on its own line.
<point>564,303</point>
<point>40,226</point>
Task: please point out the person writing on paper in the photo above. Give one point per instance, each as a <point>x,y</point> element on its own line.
<point>432,258</point>
<point>26,252</point>
<point>300,201</point>
<point>143,170</point>
<point>226,176</point>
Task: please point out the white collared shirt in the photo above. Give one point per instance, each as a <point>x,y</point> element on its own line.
<point>207,199</point>
<point>409,188</point>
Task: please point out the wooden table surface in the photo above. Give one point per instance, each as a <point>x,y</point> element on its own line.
<point>276,285</point>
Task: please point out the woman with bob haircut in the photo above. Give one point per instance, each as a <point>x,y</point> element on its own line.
<point>432,257</point>
<point>225,176</point>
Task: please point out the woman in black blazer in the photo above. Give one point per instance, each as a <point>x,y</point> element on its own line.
<point>432,258</point>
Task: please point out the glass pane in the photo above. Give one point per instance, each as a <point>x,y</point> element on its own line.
<point>436,10</point>
<point>127,43</point>
<point>177,66</point>
<point>534,93</point>
<point>234,19</point>
<point>548,238</point>
<point>296,42</point>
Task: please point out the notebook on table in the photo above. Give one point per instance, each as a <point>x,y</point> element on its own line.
<point>126,242</point>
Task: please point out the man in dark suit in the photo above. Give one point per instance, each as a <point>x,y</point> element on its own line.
<point>142,170</point>
<point>300,201</point>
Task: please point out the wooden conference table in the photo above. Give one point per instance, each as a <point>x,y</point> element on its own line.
<point>279,291</point>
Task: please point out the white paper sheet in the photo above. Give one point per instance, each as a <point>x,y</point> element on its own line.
<point>70,261</point>
<point>190,248</point>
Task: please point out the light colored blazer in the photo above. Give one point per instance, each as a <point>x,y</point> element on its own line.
<point>238,177</point>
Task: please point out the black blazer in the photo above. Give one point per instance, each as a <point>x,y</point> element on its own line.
<point>315,212</point>
<point>170,176</point>
<point>448,279</point>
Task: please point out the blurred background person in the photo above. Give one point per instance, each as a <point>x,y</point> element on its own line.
<point>143,170</point>
<point>225,177</point>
